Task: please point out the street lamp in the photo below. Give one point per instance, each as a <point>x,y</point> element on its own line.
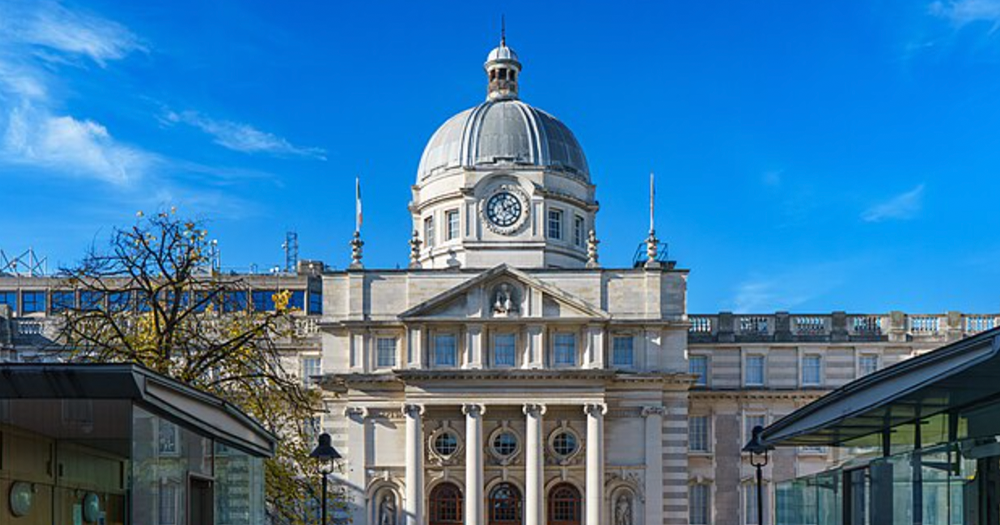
<point>758,458</point>
<point>326,454</point>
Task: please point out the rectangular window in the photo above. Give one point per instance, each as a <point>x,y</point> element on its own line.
<point>555,224</point>
<point>32,302</point>
<point>297,300</point>
<point>867,364</point>
<point>754,374</point>
<point>311,368</point>
<point>453,224</point>
<point>750,503</point>
<point>445,352</point>
<point>698,366</point>
<point>167,508</point>
<point>234,301</point>
<point>91,300</point>
<point>167,437</point>
<point>750,421</point>
<point>263,300</point>
<point>63,301</point>
<point>621,351</point>
<point>9,299</point>
<point>429,232</point>
<point>315,303</point>
<point>504,350</point>
<point>385,352</point>
<point>698,434</point>
<point>565,349</point>
<point>579,235</point>
<point>698,512</point>
<point>812,370</point>
<point>119,301</point>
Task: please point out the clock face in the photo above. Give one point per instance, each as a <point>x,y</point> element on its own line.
<point>503,209</point>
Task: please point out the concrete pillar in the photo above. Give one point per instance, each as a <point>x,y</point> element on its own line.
<point>595,462</point>
<point>358,457</point>
<point>534,466</point>
<point>474,346</point>
<point>473,463</point>
<point>654,464</point>
<point>414,504</point>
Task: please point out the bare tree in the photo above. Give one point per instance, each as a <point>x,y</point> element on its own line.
<point>151,297</point>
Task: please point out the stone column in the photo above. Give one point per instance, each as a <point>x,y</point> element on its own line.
<point>414,504</point>
<point>473,463</point>
<point>595,462</point>
<point>358,458</point>
<point>534,465</point>
<point>654,464</point>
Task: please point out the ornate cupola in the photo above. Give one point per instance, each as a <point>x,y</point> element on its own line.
<point>502,68</point>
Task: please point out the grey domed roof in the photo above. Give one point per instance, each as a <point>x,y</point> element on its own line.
<point>504,132</point>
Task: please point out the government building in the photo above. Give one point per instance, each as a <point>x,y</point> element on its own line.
<point>505,377</point>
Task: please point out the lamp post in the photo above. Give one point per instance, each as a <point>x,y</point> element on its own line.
<point>326,454</point>
<point>758,458</point>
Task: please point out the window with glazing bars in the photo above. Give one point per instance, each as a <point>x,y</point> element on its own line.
<point>867,364</point>
<point>699,498</point>
<point>555,224</point>
<point>311,367</point>
<point>622,353</point>
<point>565,349</point>
<point>32,302</point>
<point>754,370</point>
<point>453,224</point>
<point>445,353</point>
<point>385,352</point>
<point>504,350</point>
<point>579,235</point>
<point>698,433</point>
<point>698,366</point>
<point>429,231</point>
<point>812,370</point>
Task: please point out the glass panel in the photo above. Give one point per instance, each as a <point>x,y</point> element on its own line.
<point>565,349</point>
<point>164,456</point>
<point>828,499</point>
<point>444,350</point>
<point>385,352</point>
<point>698,365</point>
<point>622,353</point>
<point>698,434</point>
<point>755,370</point>
<point>239,487</point>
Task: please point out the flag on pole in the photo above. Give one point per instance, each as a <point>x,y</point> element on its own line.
<point>357,204</point>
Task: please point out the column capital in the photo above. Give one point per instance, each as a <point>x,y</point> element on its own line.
<point>595,409</point>
<point>473,409</point>
<point>413,409</point>
<point>530,409</point>
<point>355,412</point>
<point>653,411</point>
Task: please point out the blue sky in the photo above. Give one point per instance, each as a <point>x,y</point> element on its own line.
<point>835,155</point>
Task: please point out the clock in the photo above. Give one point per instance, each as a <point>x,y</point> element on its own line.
<point>21,498</point>
<point>503,209</point>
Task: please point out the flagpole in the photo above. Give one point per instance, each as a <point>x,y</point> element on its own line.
<point>652,199</point>
<point>357,204</point>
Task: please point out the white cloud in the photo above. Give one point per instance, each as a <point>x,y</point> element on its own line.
<point>243,137</point>
<point>75,147</point>
<point>788,288</point>
<point>35,39</point>
<point>962,12</point>
<point>903,206</point>
<point>74,33</point>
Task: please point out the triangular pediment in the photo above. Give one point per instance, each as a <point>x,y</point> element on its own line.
<point>503,292</point>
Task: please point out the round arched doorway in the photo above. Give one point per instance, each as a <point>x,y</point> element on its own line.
<point>565,505</point>
<point>505,505</point>
<point>445,505</point>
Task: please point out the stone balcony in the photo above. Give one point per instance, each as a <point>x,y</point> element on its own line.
<point>785,327</point>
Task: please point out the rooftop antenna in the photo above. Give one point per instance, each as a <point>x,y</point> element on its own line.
<point>291,247</point>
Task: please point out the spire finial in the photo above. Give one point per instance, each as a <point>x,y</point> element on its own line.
<point>503,31</point>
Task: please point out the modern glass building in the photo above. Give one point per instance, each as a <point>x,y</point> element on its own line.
<point>118,444</point>
<point>922,440</point>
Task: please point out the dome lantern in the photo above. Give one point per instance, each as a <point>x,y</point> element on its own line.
<point>502,69</point>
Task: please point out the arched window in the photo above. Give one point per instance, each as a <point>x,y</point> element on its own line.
<point>505,505</point>
<point>445,505</point>
<point>565,505</point>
